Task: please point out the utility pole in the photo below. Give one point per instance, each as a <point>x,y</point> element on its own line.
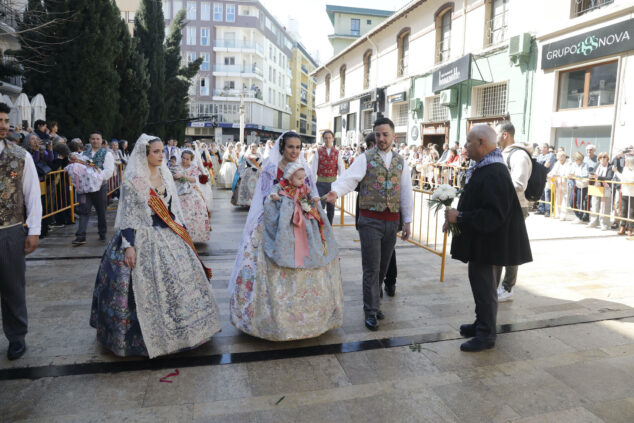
<point>242,118</point>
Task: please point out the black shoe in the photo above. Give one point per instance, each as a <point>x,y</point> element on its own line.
<point>390,290</point>
<point>380,315</point>
<point>371,322</point>
<point>467,330</point>
<point>102,237</point>
<point>477,344</point>
<point>79,241</point>
<point>16,350</point>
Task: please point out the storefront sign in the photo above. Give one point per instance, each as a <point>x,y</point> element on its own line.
<point>601,42</point>
<point>452,74</point>
<point>344,108</point>
<point>397,98</point>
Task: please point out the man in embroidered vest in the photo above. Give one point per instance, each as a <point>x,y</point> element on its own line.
<point>327,164</point>
<point>20,196</point>
<point>385,193</point>
<point>104,160</point>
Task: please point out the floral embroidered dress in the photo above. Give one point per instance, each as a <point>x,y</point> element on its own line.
<point>249,174</point>
<point>165,304</point>
<point>270,297</point>
<point>227,170</point>
<point>193,205</point>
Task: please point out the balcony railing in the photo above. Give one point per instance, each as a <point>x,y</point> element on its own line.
<point>9,13</point>
<point>257,94</point>
<point>238,69</point>
<point>581,7</point>
<point>304,69</point>
<point>304,85</point>
<point>11,61</point>
<point>497,28</point>
<point>302,115</point>
<point>248,45</point>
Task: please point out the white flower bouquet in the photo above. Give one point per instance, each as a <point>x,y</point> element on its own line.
<point>444,196</point>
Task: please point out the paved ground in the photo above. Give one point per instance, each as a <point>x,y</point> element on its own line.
<point>565,352</point>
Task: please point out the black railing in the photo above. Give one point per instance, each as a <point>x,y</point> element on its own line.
<point>584,6</point>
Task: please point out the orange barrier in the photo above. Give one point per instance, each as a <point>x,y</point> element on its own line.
<point>58,193</point>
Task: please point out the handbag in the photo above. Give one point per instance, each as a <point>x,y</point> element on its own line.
<point>596,190</point>
<point>42,168</point>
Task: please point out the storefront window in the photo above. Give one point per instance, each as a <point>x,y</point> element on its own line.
<point>589,87</point>
<point>576,139</point>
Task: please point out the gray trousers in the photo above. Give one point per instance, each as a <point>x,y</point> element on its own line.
<point>99,199</point>
<point>510,273</point>
<point>378,238</point>
<point>324,188</point>
<point>12,283</point>
<point>483,287</point>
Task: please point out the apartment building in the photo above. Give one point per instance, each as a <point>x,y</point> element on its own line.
<point>10,12</point>
<point>128,9</point>
<point>350,23</point>
<point>302,100</point>
<point>246,58</point>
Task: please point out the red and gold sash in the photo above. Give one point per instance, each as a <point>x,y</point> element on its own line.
<point>159,207</point>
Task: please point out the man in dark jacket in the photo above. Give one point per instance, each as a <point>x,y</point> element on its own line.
<point>492,232</point>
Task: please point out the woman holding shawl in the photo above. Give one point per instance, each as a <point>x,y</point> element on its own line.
<point>286,281</point>
<point>152,295</point>
<point>192,198</point>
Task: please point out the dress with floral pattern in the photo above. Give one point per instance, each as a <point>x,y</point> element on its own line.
<point>163,305</point>
<point>194,207</point>
<point>281,303</point>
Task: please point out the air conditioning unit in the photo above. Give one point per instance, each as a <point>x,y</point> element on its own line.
<point>520,45</point>
<point>449,97</point>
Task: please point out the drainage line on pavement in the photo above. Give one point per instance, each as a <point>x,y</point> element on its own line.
<point>267,355</point>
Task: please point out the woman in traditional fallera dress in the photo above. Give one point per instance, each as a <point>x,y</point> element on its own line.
<point>272,297</point>
<point>228,168</point>
<point>152,295</point>
<point>249,174</point>
<point>191,198</point>
<point>205,179</point>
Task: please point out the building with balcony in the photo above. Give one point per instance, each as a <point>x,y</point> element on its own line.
<point>10,11</point>
<point>246,59</point>
<point>350,23</point>
<point>468,68</point>
<point>302,100</point>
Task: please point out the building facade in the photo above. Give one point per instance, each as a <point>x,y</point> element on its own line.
<point>435,68</point>
<point>584,76</point>
<point>10,12</point>
<point>351,23</point>
<point>128,9</point>
<point>302,100</point>
<point>246,60</point>
<point>560,77</point>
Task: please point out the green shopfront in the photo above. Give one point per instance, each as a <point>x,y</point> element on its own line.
<point>474,89</point>
<point>583,87</point>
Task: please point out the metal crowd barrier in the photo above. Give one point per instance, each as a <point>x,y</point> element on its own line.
<point>58,193</point>
<point>566,197</point>
<point>426,226</point>
<point>434,174</point>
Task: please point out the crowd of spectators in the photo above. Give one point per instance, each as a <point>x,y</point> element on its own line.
<point>594,188</point>
<point>51,152</point>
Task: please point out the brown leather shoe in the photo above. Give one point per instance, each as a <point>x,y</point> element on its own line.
<point>629,232</point>
<point>621,231</point>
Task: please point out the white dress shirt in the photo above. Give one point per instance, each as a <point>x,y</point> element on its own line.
<point>315,163</point>
<point>351,177</point>
<point>108,165</point>
<point>31,192</point>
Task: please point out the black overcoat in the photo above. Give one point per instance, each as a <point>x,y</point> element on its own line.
<point>492,224</point>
